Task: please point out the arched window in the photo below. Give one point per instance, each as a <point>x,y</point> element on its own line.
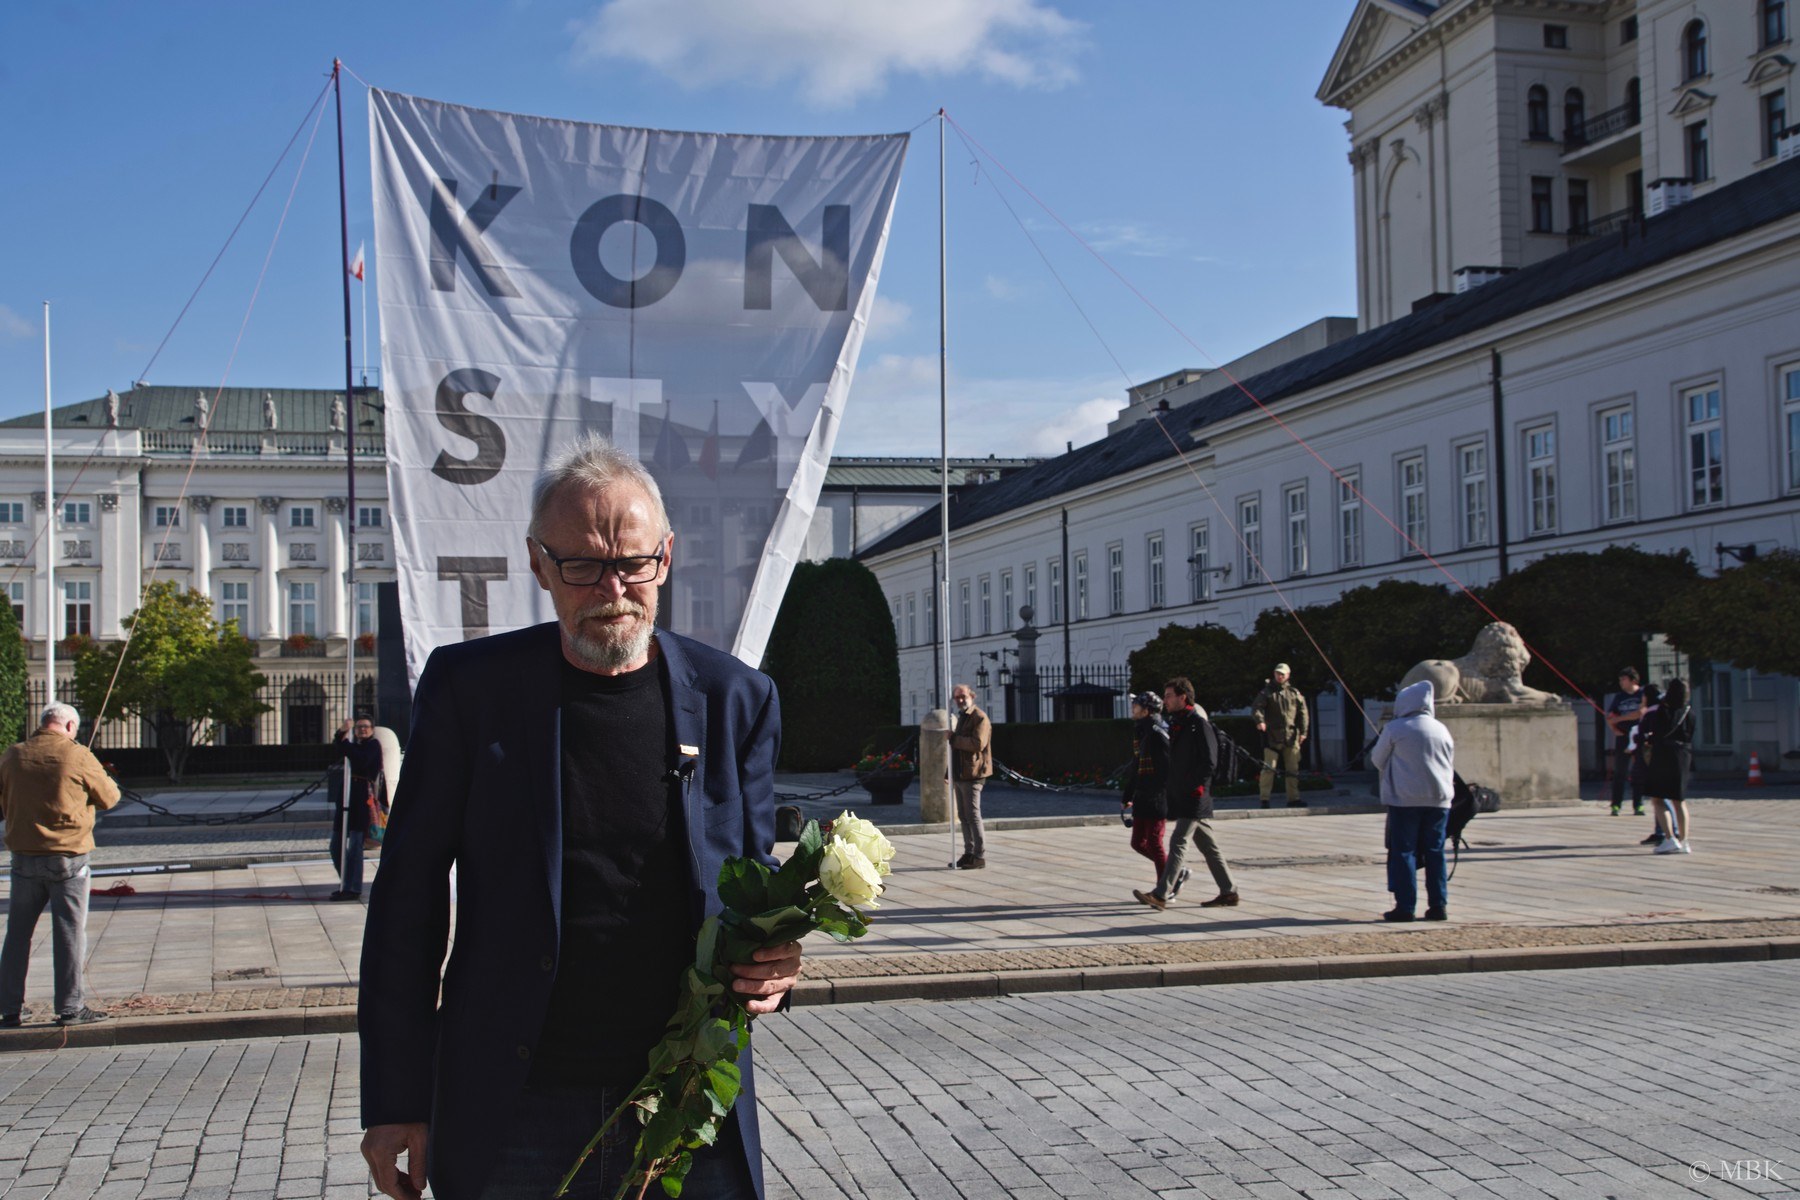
<point>1574,114</point>
<point>1693,50</point>
<point>1537,114</point>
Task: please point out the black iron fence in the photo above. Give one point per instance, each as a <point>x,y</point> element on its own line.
<point>305,707</point>
<point>1601,126</point>
<point>1063,694</point>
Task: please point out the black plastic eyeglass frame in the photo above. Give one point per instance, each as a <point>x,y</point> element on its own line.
<point>602,565</point>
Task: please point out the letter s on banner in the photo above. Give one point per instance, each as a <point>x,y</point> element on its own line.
<point>489,439</point>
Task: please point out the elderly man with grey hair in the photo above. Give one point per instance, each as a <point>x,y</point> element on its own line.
<point>50,788</point>
<point>587,778</point>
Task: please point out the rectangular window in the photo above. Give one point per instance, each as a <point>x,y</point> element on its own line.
<point>1705,447</point>
<point>1628,30</point>
<point>1115,579</point>
<point>78,512</point>
<point>15,596</point>
<point>365,609</point>
<point>1006,600</point>
<point>303,609</point>
<point>1774,22</point>
<point>1578,206</point>
<point>234,604</point>
<point>1540,479</point>
<point>1349,519</point>
<point>1153,552</point>
<point>987,606</point>
<point>1250,533</point>
<point>701,613</point>
<point>962,608</point>
<point>1472,471</point>
<point>1412,505</point>
<point>1711,691</point>
<point>1556,37</point>
<point>1543,212</point>
<point>1080,582</point>
<point>167,516</point>
<point>1774,111</point>
<point>302,516</point>
<point>1055,579</point>
<point>78,608</point>
<point>1031,590</point>
<point>1294,503</point>
<point>1618,464</point>
<point>368,516</point>
<point>1790,423</point>
<point>912,620</point>
<point>1200,574</point>
<point>927,604</point>
<point>12,512</point>
<point>1699,157</point>
<point>235,516</point>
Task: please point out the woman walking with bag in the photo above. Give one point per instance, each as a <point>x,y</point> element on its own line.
<point>1666,747</point>
<point>1146,779</point>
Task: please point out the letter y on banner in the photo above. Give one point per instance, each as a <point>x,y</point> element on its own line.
<point>698,298</point>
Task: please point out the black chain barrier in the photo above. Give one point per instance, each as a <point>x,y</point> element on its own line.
<point>898,752</point>
<point>234,819</point>
<point>1113,780</point>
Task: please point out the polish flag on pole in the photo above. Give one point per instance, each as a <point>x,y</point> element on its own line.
<point>356,264</point>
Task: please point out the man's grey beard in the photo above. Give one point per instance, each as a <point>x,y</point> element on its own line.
<point>619,649</point>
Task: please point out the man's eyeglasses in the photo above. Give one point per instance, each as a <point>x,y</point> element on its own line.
<point>586,572</point>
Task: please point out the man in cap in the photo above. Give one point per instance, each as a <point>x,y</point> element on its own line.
<point>1280,712</point>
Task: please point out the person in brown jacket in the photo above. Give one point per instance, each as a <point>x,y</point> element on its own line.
<point>50,787</point>
<point>971,761</point>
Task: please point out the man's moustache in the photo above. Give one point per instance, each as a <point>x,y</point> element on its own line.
<point>617,608</point>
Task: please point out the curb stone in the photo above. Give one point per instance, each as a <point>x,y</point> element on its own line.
<point>194,1027</point>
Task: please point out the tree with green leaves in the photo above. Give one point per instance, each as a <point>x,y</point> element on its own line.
<point>182,671</point>
<point>1211,656</point>
<point>1377,634</point>
<point>1746,616</point>
<point>833,655</point>
<point>13,701</point>
<point>1588,614</point>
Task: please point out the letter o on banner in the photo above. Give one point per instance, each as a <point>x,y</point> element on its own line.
<point>602,284</point>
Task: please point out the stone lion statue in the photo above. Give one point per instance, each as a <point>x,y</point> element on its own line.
<point>1488,674</point>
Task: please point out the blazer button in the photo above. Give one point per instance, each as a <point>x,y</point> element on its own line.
<point>548,963</point>
<point>523,1052</point>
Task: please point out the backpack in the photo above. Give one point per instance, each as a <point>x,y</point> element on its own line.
<point>1466,801</point>
<point>1225,757</point>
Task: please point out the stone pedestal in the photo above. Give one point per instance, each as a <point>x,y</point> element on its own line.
<point>935,802</point>
<point>1526,753</point>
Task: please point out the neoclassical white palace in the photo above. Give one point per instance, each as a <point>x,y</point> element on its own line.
<point>1578,256</point>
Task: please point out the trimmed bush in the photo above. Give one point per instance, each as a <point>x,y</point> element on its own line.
<point>833,655</point>
<point>12,679</point>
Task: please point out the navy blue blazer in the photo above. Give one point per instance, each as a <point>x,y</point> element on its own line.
<point>482,789</point>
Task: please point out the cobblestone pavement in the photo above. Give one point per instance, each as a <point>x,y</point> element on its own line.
<point>1051,898</point>
<point>1513,1085</point>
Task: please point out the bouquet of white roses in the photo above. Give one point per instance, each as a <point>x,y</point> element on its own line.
<point>693,1077</point>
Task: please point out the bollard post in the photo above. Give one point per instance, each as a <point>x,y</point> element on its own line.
<point>934,768</point>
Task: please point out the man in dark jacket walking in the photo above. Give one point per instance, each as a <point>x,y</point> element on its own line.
<point>1193,750</point>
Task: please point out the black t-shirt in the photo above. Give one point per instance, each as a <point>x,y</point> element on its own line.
<point>1622,705</point>
<point>627,925</point>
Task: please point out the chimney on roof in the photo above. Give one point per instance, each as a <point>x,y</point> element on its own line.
<point>1665,194</point>
<point>1162,406</point>
<point>1470,278</point>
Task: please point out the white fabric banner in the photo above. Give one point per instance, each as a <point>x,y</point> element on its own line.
<point>699,298</point>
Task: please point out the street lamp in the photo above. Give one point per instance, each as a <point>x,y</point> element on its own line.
<point>996,656</point>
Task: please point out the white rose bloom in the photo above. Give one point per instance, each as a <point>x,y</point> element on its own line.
<point>848,875</point>
<point>865,837</point>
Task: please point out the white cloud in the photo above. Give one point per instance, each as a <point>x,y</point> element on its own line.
<point>894,410</point>
<point>888,319</point>
<point>1001,288</point>
<point>837,52</point>
<point>12,325</point>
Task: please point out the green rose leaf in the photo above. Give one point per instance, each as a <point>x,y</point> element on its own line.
<point>744,885</point>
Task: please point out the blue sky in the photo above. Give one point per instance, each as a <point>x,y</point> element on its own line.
<point>1181,138</point>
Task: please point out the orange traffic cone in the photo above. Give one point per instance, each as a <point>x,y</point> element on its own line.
<point>1756,779</point>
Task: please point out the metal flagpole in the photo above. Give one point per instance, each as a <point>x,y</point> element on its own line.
<point>943,580</point>
<point>47,555</point>
<point>349,580</point>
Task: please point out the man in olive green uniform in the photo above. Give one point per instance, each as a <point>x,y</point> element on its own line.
<point>1280,712</point>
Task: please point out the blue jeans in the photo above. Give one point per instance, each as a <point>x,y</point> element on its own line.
<point>552,1123</point>
<point>1415,838</point>
<point>59,881</point>
<point>351,875</point>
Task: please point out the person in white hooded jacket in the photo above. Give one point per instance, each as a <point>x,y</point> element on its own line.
<point>1415,756</point>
